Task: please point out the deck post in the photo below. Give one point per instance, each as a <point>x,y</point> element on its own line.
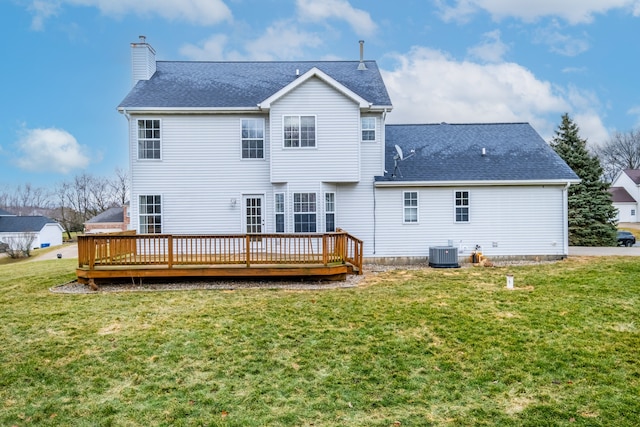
<point>170,251</point>
<point>324,250</point>
<point>92,252</point>
<point>247,250</point>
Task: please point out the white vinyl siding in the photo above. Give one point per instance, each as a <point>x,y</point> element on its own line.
<point>198,189</point>
<point>336,155</point>
<point>509,220</point>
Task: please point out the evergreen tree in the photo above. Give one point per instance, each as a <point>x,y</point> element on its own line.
<point>592,217</point>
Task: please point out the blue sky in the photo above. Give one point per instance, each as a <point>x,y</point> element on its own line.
<point>65,64</point>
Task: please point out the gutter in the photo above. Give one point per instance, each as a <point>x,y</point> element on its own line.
<point>188,110</point>
<point>511,183</point>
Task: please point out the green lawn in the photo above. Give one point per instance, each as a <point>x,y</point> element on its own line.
<point>405,348</point>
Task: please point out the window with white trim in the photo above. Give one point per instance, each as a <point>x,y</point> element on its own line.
<point>304,212</point>
<point>149,139</point>
<point>329,212</point>
<point>368,128</point>
<point>299,131</point>
<point>150,211</point>
<point>252,138</point>
<point>279,212</point>
<point>410,199</point>
<point>462,206</point>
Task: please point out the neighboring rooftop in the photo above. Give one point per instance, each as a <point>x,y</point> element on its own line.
<point>23,224</point>
<point>634,174</point>
<point>114,214</point>
<point>180,84</point>
<point>472,152</point>
<point>620,195</point>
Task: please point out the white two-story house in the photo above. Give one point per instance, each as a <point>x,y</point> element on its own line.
<point>302,147</point>
<point>625,194</point>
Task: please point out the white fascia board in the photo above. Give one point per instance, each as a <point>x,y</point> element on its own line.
<point>188,110</point>
<point>559,182</point>
<point>315,72</point>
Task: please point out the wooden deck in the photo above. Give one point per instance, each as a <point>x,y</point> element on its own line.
<point>129,255</point>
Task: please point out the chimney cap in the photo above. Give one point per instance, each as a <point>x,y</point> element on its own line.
<point>143,39</point>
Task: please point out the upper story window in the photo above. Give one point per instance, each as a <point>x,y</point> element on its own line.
<point>462,206</point>
<point>299,131</point>
<point>149,139</point>
<point>368,126</point>
<point>150,210</point>
<point>252,138</point>
<point>410,206</point>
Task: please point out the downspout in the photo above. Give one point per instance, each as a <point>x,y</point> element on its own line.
<point>565,214</point>
<point>374,216</point>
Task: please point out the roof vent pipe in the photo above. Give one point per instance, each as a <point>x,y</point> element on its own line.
<point>143,39</point>
<point>361,65</point>
<point>484,151</point>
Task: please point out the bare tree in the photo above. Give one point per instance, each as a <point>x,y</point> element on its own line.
<point>621,151</point>
<point>20,245</point>
<point>120,186</point>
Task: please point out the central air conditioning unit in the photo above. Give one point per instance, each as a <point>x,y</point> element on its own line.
<point>443,257</point>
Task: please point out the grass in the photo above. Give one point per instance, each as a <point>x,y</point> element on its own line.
<point>424,347</point>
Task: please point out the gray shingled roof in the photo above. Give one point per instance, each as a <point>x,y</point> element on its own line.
<point>634,174</point>
<point>453,152</point>
<point>620,195</point>
<point>115,214</point>
<point>22,224</point>
<point>5,213</point>
<point>243,84</point>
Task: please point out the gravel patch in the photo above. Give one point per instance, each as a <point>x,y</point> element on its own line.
<point>351,281</point>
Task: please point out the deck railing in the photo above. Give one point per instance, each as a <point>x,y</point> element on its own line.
<point>126,249</point>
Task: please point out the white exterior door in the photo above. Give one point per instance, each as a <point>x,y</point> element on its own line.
<point>253,214</point>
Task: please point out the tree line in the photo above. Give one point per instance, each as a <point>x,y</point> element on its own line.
<point>72,202</point>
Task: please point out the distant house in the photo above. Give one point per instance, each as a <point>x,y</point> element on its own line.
<point>112,220</point>
<point>45,231</point>
<point>625,194</point>
<point>303,147</point>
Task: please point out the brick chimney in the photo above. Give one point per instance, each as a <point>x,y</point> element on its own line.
<point>143,60</point>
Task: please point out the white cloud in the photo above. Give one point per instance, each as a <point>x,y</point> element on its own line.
<point>572,11</point>
<point>50,150</point>
<point>633,111</point>
<point>561,43</point>
<point>283,40</point>
<point>428,86</point>
<point>201,12</point>
<point>320,10</point>
<point>491,49</point>
<point>41,10</point>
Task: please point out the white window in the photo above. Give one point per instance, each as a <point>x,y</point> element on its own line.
<point>462,206</point>
<point>252,138</point>
<point>299,131</point>
<point>368,126</point>
<point>330,212</point>
<point>150,209</point>
<point>279,211</point>
<point>304,212</point>
<point>410,206</point>
<point>149,139</point>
